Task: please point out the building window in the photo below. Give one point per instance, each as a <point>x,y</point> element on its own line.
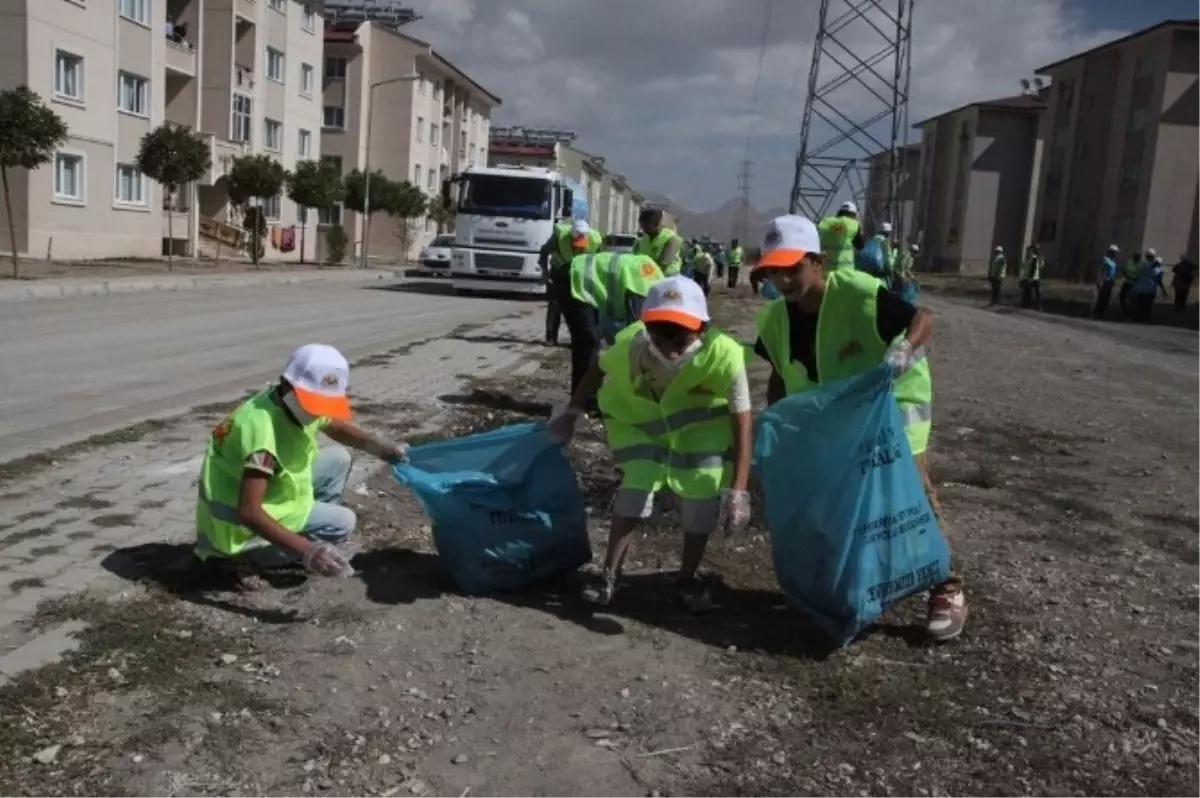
<point>417,174</point>
<point>272,135</point>
<point>306,80</point>
<point>242,118</point>
<point>422,84</point>
<point>430,180</point>
<point>1137,120</point>
<point>309,21</point>
<point>333,160</point>
<point>278,5</point>
<point>437,90</point>
<point>1053,185</point>
<point>1143,65</point>
<point>335,68</point>
<point>1047,230</point>
<point>270,208</point>
<point>131,185</point>
<point>335,117</point>
<point>1131,174</point>
<point>434,132</point>
<point>274,65</point>
<point>68,76</point>
<point>305,145</point>
<point>1121,228</point>
<point>330,215</point>
<point>68,177</point>
<point>135,10</point>
<point>133,94</point>
<point>420,128</point>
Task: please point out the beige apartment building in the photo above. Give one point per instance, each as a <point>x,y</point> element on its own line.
<point>975,182</point>
<point>240,72</point>
<point>1121,163</point>
<point>424,129</point>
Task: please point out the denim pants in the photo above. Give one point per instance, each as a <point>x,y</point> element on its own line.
<point>330,521</point>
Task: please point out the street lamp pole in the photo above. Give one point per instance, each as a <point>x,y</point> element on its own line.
<point>362,252</point>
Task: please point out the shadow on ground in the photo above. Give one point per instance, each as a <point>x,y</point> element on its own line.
<point>442,287</point>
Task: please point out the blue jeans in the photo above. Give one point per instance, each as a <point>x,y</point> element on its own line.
<point>330,521</point>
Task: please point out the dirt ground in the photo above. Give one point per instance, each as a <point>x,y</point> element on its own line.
<point>1065,456</point>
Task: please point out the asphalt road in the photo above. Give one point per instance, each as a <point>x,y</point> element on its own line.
<point>74,368</point>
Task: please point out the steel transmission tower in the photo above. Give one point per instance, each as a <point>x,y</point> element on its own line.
<point>742,222</point>
<point>856,108</point>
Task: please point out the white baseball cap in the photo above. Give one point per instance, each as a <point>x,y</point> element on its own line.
<point>679,300</point>
<point>915,247</point>
<point>1150,253</point>
<point>886,227</point>
<point>787,240</point>
<point>1113,248</point>
<point>320,375</point>
<point>999,248</point>
<point>579,232</point>
<point>849,206</point>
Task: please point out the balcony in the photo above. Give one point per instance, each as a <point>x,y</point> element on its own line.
<point>243,78</point>
<point>445,157</point>
<point>246,9</point>
<point>221,153</point>
<point>181,57</point>
<point>447,110</point>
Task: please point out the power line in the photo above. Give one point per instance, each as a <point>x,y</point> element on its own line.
<point>744,185</point>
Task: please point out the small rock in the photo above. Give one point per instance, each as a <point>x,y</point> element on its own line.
<point>846,768</point>
<point>215,717</point>
<point>47,755</point>
<point>779,758</point>
<point>417,787</point>
<point>384,759</point>
<point>1161,723</point>
<point>624,692</point>
<point>61,692</point>
<point>228,659</point>
<point>598,734</point>
<point>731,650</point>
<point>916,738</point>
<point>116,676</point>
<point>461,759</point>
<point>137,759</point>
<point>76,740</point>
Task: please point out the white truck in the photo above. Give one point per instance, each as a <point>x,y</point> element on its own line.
<point>504,215</point>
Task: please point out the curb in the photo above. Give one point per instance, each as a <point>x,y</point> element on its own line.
<point>59,289</point>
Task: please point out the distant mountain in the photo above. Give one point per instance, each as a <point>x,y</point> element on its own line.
<point>718,223</point>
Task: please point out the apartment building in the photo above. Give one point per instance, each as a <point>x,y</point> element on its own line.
<point>614,199</point>
<point>429,121</point>
<point>1121,164</point>
<point>116,69</point>
<point>976,181</point>
<point>875,205</point>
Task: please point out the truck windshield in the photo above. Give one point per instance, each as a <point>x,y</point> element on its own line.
<point>498,195</point>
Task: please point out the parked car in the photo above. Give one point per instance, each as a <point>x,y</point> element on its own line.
<point>619,242</point>
<point>435,257</point>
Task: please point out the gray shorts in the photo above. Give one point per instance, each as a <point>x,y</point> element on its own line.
<point>696,516</point>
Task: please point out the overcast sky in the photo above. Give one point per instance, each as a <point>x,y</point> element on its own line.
<point>663,88</point>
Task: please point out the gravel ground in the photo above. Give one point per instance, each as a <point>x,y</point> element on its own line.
<point>1065,454</point>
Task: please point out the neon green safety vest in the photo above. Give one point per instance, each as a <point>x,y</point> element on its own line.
<point>654,248</point>
<point>1033,268</point>
<point>603,279</point>
<point>258,425</point>
<point>683,441</point>
<point>703,263</point>
<point>848,343</point>
<point>837,241</point>
<point>998,268</point>
<point>1132,270</point>
<point>567,252</point>
<point>736,255</point>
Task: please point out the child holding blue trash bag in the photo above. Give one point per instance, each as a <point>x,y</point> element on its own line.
<point>830,326</point>
<point>676,405</point>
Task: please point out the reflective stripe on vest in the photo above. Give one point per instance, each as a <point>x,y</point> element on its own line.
<point>671,459</point>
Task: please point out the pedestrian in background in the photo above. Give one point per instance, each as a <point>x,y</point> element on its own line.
<point>1031,279</point>
<point>1183,274</point>
<point>1104,282</point>
<point>702,268</point>
<point>1129,277</point>
<point>996,271</point>
<point>568,239</point>
<point>1146,290</point>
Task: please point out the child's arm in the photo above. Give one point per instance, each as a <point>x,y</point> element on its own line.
<point>743,430</point>
<point>588,386</point>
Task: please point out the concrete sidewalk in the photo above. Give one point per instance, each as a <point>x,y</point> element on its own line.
<point>22,290</point>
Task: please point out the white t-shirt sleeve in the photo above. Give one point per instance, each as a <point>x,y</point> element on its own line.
<point>739,393</point>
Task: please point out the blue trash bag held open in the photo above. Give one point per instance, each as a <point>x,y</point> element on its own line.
<point>507,511</point>
<point>871,258</point>
<point>852,531</point>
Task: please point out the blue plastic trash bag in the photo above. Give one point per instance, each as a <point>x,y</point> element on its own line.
<point>852,531</point>
<point>507,511</point>
<point>908,291</point>
<point>871,258</point>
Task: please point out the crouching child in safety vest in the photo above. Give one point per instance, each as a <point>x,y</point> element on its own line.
<point>829,325</point>
<point>270,494</point>
<point>676,406</point>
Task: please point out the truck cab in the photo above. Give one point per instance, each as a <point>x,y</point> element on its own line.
<point>503,217</point>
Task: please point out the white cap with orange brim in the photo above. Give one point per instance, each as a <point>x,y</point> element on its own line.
<point>320,376</point>
<point>678,300</point>
<point>787,240</point>
<point>580,230</point>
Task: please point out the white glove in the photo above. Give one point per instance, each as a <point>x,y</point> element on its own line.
<point>900,356</point>
<point>734,515</point>
<point>562,422</point>
<point>397,453</point>
<point>325,560</point>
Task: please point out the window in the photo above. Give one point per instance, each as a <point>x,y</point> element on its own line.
<point>335,160</point>
<point>417,174</point>
<point>242,119</point>
<point>1143,65</point>
<point>1053,185</point>
<point>1048,230</point>
<point>434,131</point>
<point>133,94</point>
<point>422,85</point>
<point>131,185</point>
<point>437,90</point>
<point>420,128</point>
<point>482,155</point>
<point>274,65</point>
<point>135,10</point>
<point>335,68</point>
<point>68,177</point>
<point>305,146</point>
<point>1131,174</point>
<point>306,80</point>
<point>430,178</point>
<point>270,207</point>
<point>1137,120</point>
<point>335,117</point>
<point>330,215</point>
<point>278,5</point>
<point>1121,228</point>
<point>309,22</point>
<point>272,135</point>
<point>68,76</point>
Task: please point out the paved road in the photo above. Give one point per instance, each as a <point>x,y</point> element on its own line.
<point>78,367</point>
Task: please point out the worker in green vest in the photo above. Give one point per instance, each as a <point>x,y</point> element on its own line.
<point>902,266</point>
<point>658,242</point>
<point>676,404</point>
<point>736,256</point>
<point>269,493</point>
<point>1031,278</point>
<point>832,325</point>
<point>569,238</point>
<point>702,268</point>
<point>606,290</point>
<point>841,236</point>
<point>996,271</point>
<point>1130,273</point>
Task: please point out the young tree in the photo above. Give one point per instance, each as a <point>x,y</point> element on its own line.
<point>336,242</point>
<point>315,184</point>
<point>407,204</point>
<point>255,177</point>
<point>173,156</point>
<point>29,134</point>
<point>382,195</point>
<point>441,210</point>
